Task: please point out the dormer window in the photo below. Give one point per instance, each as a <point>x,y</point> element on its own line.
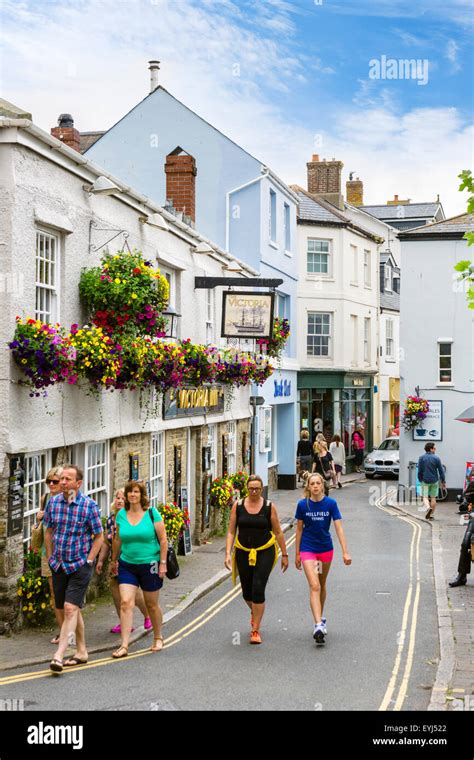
<point>387,277</point>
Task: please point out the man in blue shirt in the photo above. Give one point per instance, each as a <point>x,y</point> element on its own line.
<point>430,475</point>
<point>73,537</point>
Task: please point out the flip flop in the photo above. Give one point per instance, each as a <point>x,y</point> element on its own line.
<point>71,662</point>
<point>153,648</point>
<point>118,656</point>
<point>56,639</point>
<point>56,665</point>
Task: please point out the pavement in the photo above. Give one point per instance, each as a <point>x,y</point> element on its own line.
<point>454,686</point>
<point>203,570</point>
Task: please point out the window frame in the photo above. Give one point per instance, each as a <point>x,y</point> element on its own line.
<point>328,254</point>
<point>367,268</point>
<point>322,335</point>
<point>443,356</point>
<point>52,289</point>
<point>232,446</point>
<point>104,467</point>
<point>354,264</point>
<point>272,217</point>
<point>39,489</point>
<point>367,339</point>
<point>389,354</point>
<point>157,475</point>
<point>287,228</point>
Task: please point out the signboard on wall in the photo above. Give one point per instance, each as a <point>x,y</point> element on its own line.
<point>431,429</point>
<point>193,402</point>
<point>185,545</point>
<point>246,314</point>
<point>16,482</point>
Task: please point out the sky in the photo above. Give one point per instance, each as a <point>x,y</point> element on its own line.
<point>283,78</point>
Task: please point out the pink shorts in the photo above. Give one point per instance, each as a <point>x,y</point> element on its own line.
<point>317,556</point>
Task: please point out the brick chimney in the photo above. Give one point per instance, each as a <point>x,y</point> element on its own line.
<point>397,202</point>
<point>355,191</point>
<point>180,169</point>
<point>324,180</point>
<point>66,132</point>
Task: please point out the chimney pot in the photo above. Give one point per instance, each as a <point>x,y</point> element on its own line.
<point>154,67</point>
<point>65,120</point>
<point>315,157</point>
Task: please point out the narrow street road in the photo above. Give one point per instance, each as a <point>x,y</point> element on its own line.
<point>381,650</point>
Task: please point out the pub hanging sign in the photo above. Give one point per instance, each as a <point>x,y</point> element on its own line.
<point>193,402</point>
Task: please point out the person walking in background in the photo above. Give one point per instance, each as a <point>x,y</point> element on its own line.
<point>338,453</point>
<point>430,475</point>
<point>314,546</point>
<point>358,446</point>
<point>255,551</point>
<point>73,538</point>
<point>53,481</point>
<point>304,453</point>
<point>139,551</point>
<point>110,531</point>
<point>323,462</point>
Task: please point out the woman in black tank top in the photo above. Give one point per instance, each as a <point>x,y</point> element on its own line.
<point>259,530</point>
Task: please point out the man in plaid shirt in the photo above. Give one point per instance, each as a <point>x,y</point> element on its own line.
<point>73,537</point>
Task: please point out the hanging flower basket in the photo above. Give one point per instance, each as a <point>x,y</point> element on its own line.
<point>274,346</point>
<point>175,519</point>
<point>126,295</point>
<point>416,409</point>
<point>222,492</point>
<point>44,354</point>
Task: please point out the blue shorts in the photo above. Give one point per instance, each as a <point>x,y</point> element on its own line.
<point>144,576</point>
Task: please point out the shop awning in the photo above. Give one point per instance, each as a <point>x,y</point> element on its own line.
<point>467,415</point>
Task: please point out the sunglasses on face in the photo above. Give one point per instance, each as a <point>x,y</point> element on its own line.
<point>49,482</point>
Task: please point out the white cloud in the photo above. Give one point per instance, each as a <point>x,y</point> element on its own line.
<point>73,60</point>
<point>452,49</point>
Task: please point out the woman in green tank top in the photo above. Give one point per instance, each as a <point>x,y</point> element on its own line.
<point>139,552</point>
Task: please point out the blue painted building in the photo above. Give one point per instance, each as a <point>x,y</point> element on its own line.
<point>241,205</point>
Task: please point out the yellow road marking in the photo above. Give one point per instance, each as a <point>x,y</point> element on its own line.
<point>414,561</point>
<point>175,638</point>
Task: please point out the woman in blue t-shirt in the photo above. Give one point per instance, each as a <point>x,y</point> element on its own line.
<point>314,545</point>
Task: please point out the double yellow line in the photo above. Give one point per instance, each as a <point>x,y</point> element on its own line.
<point>405,643</point>
<point>170,641</point>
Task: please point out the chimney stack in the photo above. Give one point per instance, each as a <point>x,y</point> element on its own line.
<point>324,180</point>
<point>180,170</point>
<point>355,191</point>
<point>154,67</point>
<point>397,202</point>
<point>66,132</point>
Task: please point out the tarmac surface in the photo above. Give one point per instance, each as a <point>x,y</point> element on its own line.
<point>203,571</point>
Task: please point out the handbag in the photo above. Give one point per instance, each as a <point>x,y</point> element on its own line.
<point>37,536</point>
<point>172,566</point>
<point>327,474</point>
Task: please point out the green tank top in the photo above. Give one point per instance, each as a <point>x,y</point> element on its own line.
<point>139,542</point>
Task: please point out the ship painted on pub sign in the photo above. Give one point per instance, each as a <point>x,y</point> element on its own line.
<point>247,314</point>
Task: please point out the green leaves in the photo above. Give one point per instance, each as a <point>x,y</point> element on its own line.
<point>466,268</point>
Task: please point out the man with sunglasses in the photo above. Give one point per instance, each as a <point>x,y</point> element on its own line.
<point>73,538</point>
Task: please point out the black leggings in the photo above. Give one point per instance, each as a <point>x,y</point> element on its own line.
<point>254,578</point>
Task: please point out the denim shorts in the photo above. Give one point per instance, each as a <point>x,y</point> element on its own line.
<point>144,576</point>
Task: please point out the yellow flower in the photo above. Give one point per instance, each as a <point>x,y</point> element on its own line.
<point>134,295</point>
<point>117,281</point>
<point>43,606</point>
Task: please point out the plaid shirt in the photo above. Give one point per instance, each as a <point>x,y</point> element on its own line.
<point>73,525</point>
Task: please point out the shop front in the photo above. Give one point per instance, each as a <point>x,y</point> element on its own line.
<point>336,403</point>
<point>275,430</point>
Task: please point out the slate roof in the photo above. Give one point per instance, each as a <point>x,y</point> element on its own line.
<point>410,211</point>
<point>310,210</point>
<point>456,226</point>
<point>87,139</point>
<point>390,301</point>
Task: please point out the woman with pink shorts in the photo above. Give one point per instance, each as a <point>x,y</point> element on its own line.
<point>314,547</point>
